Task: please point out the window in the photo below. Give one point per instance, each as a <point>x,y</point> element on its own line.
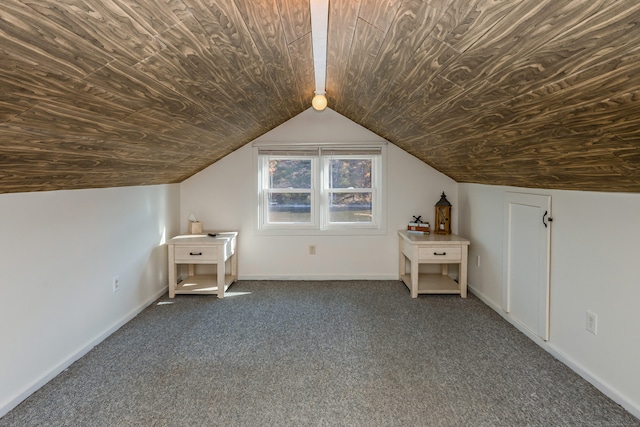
<point>320,188</point>
<point>289,190</point>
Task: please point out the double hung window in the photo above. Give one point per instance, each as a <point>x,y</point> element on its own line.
<point>320,188</point>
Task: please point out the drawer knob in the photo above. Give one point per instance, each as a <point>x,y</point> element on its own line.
<point>195,253</point>
<point>442,253</point>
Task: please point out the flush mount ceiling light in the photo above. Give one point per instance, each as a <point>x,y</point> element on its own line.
<point>319,30</point>
<point>319,101</point>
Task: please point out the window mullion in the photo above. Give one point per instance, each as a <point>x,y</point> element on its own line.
<point>289,190</point>
<point>350,190</point>
<point>324,191</point>
<point>316,196</point>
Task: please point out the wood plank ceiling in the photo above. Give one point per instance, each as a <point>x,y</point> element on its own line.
<point>531,93</point>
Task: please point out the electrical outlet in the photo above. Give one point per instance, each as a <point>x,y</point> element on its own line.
<point>116,284</point>
<point>592,322</point>
<point>312,249</point>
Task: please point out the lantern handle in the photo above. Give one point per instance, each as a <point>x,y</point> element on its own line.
<point>543,216</point>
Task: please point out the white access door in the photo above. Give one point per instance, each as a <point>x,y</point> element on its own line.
<point>526,267</point>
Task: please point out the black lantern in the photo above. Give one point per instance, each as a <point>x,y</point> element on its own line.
<point>443,216</point>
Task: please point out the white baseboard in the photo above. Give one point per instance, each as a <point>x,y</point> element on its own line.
<point>317,277</point>
<point>56,370</point>
<point>606,389</point>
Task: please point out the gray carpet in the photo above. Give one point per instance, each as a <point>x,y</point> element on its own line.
<point>354,353</point>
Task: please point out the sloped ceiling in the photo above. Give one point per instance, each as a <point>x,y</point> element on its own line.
<point>532,93</point>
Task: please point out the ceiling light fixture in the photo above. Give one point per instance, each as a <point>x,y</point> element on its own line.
<point>319,101</point>
<point>319,31</point>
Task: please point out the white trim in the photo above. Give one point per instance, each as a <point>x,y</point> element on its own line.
<point>326,191</point>
<point>319,277</point>
<point>264,190</point>
<point>318,225</point>
<point>602,386</point>
<point>8,405</point>
<point>291,145</point>
<point>606,389</point>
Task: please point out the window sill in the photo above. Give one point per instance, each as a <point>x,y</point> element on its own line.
<point>317,232</point>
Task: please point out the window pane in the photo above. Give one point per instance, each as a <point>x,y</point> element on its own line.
<point>290,173</point>
<point>350,207</point>
<point>350,173</point>
<point>289,207</point>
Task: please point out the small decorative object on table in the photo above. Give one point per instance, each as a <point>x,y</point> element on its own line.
<point>417,226</point>
<point>443,216</point>
<point>195,226</point>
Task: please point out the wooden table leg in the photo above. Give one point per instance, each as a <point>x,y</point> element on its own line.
<point>463,273</point>
<point>173,277</point>
<point>221,279</point>
<point>234,266</point>
<point>220,273</point>
<point>444,269</point>
<point>415,272</point>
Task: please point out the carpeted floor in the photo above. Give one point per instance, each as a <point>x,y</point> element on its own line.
<point>346,353</point>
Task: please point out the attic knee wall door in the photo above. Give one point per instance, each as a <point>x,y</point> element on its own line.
<point>526,261</point>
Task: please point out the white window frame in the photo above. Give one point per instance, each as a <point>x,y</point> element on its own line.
<point>320,155</point>
<point>265,191</point>
<point>326,191</point>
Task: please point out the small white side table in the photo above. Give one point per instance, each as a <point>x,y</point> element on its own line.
<point>433,249</point>
<point>193,249</point>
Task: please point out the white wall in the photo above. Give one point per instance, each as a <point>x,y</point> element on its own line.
<point>60,250</point>
<point>58,254</point>
<point>224,196</point>
<point>595,265</point>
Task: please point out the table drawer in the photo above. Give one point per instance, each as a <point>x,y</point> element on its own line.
<point>440,254</point>
<point>195,254</point>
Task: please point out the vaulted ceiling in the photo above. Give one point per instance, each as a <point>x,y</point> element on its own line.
<point>531,93</point>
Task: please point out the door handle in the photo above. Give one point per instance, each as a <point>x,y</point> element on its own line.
<point>543,217</point>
